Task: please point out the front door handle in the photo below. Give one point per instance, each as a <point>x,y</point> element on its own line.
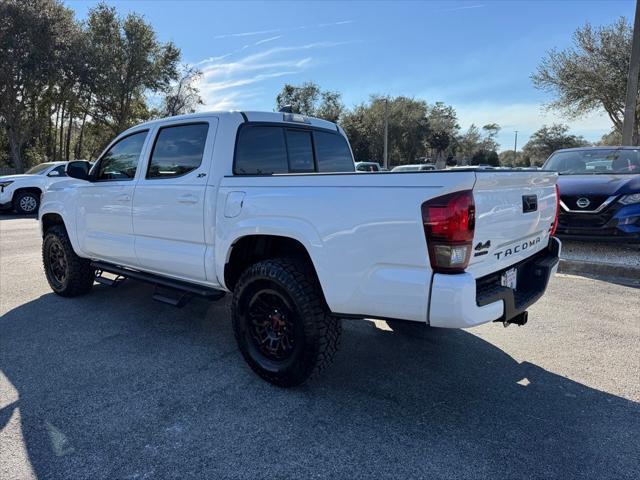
<point>187,198</point>
<point>123,198</point>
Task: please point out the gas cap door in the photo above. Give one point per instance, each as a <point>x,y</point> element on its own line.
<point>233,205</point>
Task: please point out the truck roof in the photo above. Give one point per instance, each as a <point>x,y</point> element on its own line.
<point>598,147</point>
<point>251,116</point>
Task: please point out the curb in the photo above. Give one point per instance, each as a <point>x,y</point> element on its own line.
<point>610,270</point>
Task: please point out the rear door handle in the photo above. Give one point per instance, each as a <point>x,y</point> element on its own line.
<point>187,198</point>
<point>123,198</point>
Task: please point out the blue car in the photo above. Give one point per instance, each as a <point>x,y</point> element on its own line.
<point>599,193</point>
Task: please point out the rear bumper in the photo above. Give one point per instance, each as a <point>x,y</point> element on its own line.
<point>461,301</point>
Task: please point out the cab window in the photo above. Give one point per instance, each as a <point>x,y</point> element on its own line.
<point>120,162</point>
<point>300,151</point>
<point>178,150</point>
<point>332,153</point>
<point>261,150</point>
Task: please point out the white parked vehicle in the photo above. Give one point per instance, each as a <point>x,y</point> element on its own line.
<point>419,167</point>
<point>268,206</point>
<point>22,192</point>
<point>368,167</point>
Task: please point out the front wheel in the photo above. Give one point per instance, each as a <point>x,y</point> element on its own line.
<point>26,203</point>
<point>281,323</point>
<point>68,274</point>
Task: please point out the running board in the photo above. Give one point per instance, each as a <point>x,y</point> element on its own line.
<point>170,296</point>
<point>185,289</point>
<point>109,282</point>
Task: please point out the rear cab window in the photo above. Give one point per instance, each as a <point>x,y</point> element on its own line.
<point>260,151</point>
<point>300,151</point>
<point>272,149</point>
<point>332,153</point>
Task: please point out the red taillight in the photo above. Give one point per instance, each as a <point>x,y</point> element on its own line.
<point>449,222</point>
<point>555,220</point>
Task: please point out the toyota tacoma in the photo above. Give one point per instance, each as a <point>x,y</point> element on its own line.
<point>269,207</point>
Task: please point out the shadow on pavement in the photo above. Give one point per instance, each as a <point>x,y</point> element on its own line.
<point>114,385</point>
<point>5,215</point>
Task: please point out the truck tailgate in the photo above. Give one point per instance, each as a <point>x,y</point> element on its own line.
<point>514,212</point>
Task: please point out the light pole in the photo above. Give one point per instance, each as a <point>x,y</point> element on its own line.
<point>515,147</point>
<point>386,134</point>
<point>628,125</point>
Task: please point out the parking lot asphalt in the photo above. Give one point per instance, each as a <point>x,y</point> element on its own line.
<point>115,385</point>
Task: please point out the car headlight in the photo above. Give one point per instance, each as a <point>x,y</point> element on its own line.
<point>629,199</point>
<point>3,185</point>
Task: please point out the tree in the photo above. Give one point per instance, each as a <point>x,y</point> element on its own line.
<point>130,63</point>
<point>309,99</point>
<point>476,147</point>
<point>331,107</point>
<point>489,142</point>
<point>408,129</point>
<point>592,74</point>
<point>547,140</point>
<point>468,144</point>
<point>443,129</point>
<point>486,157</point>
<point>507,159</point>
<point>183,96</point>
<point>611,139</point>
<point>33,48</point>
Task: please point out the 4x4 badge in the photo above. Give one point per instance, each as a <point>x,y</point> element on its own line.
<point>483,246</point>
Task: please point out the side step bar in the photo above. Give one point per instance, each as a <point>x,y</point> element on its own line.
<point>164,283</point>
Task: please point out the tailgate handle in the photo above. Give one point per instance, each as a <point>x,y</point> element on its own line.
<point>529,203</point>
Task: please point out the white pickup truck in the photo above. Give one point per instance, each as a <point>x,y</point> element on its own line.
<point>268,206</point>
<point>22,192</point>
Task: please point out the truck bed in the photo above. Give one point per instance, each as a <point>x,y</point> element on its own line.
<point>364,232</point>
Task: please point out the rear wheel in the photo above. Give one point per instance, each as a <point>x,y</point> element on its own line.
<point>68,274</point>
<point>281,323</point>
<point>27,202</point>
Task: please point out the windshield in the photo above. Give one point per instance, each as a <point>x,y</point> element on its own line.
<point>39,169</point>
<point>595,161</point>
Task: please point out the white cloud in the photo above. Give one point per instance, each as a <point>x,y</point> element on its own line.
<point>270,39</point>
<point>466,7</point>
<point>333,24</point>
<point>231,100</point>
<point>223,83</point>
<point>278,30</point>
<point>211,87</point>
<point>247,34</point>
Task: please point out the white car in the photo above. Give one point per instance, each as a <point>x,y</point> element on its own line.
<point>368,167</point>
<point>22,192</point>
<point>419,167</point>
<point>268,206</point>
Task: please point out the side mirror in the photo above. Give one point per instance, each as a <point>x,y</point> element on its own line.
<point>53,173</point>
<point>78,169</point>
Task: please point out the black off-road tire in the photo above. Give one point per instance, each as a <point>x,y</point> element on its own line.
<point>78,275</point>
<point>26,202</point>
<point>317,333</point>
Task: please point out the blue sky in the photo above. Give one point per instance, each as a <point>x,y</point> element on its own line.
<point>474,55</point>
